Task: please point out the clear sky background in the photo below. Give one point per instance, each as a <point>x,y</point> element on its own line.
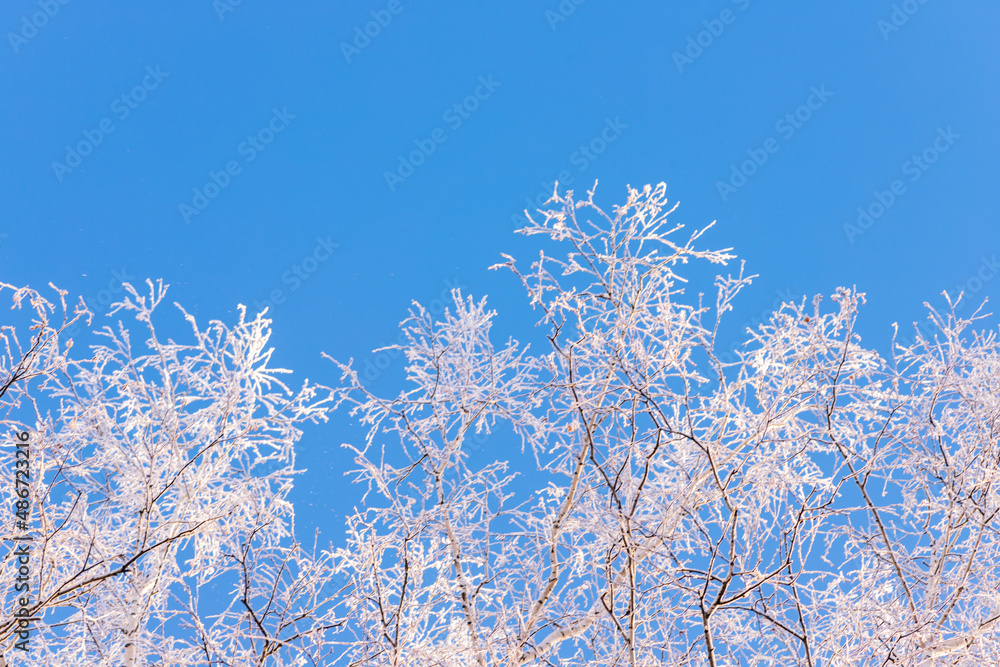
<point>624,92</point>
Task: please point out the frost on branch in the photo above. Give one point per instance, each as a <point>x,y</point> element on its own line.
<point>163,531</point>
<point>811,504</point>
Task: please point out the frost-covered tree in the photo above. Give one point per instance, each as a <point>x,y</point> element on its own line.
<point>812,504</point>
<point>159,475</point>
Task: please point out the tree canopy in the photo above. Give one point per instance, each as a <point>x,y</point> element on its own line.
<point>812,502</point>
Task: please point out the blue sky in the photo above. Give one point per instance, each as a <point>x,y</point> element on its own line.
<point>120,121</point>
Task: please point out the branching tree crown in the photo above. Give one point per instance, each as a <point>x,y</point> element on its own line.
<point>160,472</point>
<point>811,504</point>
